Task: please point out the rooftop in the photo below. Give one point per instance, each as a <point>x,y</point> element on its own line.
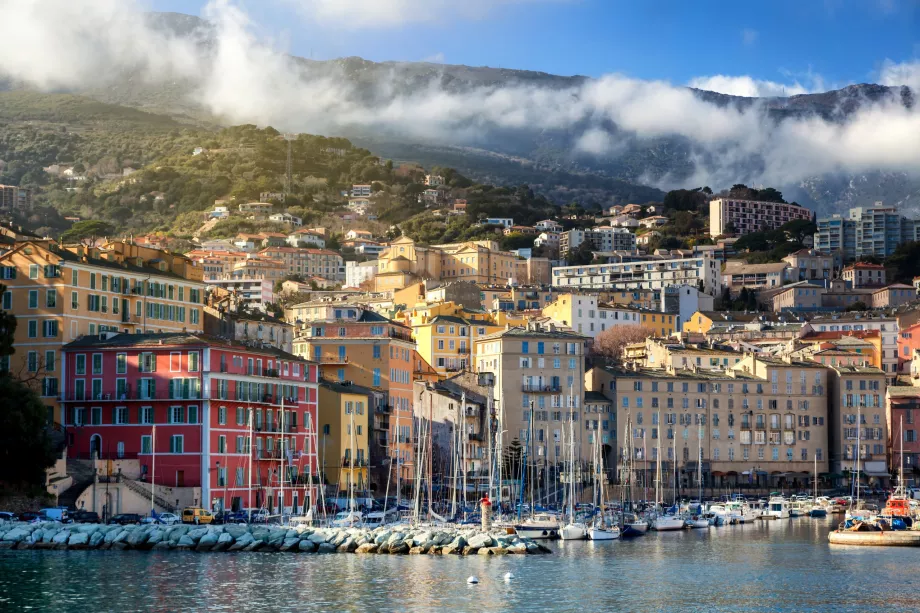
<point>172,339</point>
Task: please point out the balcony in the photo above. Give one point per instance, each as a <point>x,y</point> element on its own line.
<point>541,389</point>
<point>349,463</point>
<point>268,454</point>
<point>332,359</point>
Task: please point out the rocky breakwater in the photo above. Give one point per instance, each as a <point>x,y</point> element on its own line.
<point>384,540</point>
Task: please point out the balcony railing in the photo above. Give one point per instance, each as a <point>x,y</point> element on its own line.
<point>143,396</point>
<point>332,359</point>
<point>541,389</point>
<point>349,463</point>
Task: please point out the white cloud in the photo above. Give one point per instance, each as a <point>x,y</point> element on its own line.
<point>749,36</point>
<point>437,58</point>
<point>747,86</point>
<point>905,73</point>
<point>360,14</point>
<point>52,44</point>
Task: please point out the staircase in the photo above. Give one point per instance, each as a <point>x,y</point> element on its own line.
<point>83,475</point>
<point>143,490</point>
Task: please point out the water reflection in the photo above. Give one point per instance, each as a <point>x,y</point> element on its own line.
<point>781,566</point>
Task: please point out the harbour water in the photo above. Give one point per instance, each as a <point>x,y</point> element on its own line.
<point>784,565</point>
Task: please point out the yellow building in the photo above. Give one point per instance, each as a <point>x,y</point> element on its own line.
<point>586,314</point>
<point>405,262</point>
<point>343,444</point>
<point>445,332</point>
<point>59,294</point>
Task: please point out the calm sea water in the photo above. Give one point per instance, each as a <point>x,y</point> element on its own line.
<point>783,565</point>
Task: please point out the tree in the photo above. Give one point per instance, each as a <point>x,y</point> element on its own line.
<point>859,305</point>
<point>25,447</point>
<point>516,240</point>
<point>580,256</point>
<point>798,229</point>
<point>610,342</point>
<point>90,230</point>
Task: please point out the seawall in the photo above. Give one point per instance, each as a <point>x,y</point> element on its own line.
<point>241,537</point>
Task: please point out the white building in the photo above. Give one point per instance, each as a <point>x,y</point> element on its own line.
<point>286,218</point>
<point>357,273</point>
<point>434,180</point>
<point>219,212</point>
<point>254,293</point>
<point>548,225</point>
<point>505,222</point>
<point>600,239</point>
<point>684,301</point>
<point>360,191</point>
<point>374,249</point>
<point>737,217</point>
<point>306,238</point>
<point>887,328</point>
<point>644,274</point>
<point>550,240</point>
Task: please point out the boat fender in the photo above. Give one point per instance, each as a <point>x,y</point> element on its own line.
<point>508,577</point>
<point>472,580</point>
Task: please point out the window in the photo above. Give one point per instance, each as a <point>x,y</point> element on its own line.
<point>7,301</point>
<point>146,443</point>
<point>147,362</point>
<point>376,377</point>
<point>376,352</point>
<point>222,444</point>
<point>146,415</point>
<point>176,415</point>
<point>97,363</point>
<point>33,298</point>
<point>176,443</point>
<point>121,415</point>
<point>33,329</point>
<point>222,416</point>
<point>193,361</point>
<point>33,271</point>
<point>50,328</point>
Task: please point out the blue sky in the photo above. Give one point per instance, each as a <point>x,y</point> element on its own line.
<point>819,43</point>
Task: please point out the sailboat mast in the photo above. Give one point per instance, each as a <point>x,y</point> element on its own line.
<point>281,506</point>
<point>249,476</point>
<point>858,439</point>
<point>699,464</point>
<point>153,463</point>
<point>658,468</point>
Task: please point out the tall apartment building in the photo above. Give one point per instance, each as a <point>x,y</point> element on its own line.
<point>445,332</point>
<point>737,217</point>
<point>858,417</point>
<point>866,231</point>
<point>654,274</point>
<point>887,328</point>
<point>60,294</point>
<point>539,372</point>
<point>352,343</point>
<point>176,409</point>
<point>760,421</point>
<point>344,435</point>
<point>14,198</point>
<point>586,314</point>
<point>600,239</point>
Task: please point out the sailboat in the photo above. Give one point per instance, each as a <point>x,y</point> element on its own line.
<point>601,530</point>
<point>572,531</point>
<point>663,521</point>
<point>696,520</point>
<point>630,524</point>
<point>817,510</point>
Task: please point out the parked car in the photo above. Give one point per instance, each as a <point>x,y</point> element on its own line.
<point>85,517</point>
<point>196,515</point>
<point>124,519</point>
<point>60,514</point>
<point>167,519</point>
<point>8,516</point>
<point>31,516</point>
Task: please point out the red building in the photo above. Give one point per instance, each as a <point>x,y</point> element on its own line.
<point>908,342</point>
<point>184,406</point>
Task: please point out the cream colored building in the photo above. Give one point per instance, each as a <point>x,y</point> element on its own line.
<point>760,422</point>
<point>539,371</point>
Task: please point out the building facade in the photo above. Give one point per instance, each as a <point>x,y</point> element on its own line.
<point>645,274</point>
<point>737,217</point>
<point>236,421</point>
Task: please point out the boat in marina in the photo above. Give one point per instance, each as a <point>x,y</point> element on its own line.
<point>602,528</point>
<point>540,526</point>
<point>572,530</point>
<point>777,508</point>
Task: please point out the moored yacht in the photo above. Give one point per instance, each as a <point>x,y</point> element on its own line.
<point>777,508</point>
<point>540,526</point>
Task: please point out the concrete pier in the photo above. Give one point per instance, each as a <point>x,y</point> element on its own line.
<point>897,538</point>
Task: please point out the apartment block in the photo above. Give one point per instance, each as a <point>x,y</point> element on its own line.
<point>586,314</point>
<point>864,274</point>
<point>539,389</point>
<point>308,262</point>
<point>61,294</point>
<point>652,274</point>
<point>14,198</point>
<point>599,239</point>
<point>191,411</point>
<point>867,231</point>
<point>858,425</point>
<point>760,421</point>
<point>737,217</point>
<point>344,426</point>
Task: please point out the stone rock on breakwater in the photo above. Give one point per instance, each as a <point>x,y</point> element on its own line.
<point>384,540</point>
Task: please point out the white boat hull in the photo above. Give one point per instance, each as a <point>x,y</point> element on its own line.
<point>537,532</point>
<point>697,523</point>
<point>639,526</point>
<point>664,524</point>
<point>603,534</point>
<point>573,532</point>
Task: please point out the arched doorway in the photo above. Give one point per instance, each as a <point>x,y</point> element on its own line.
<point>95,446</point>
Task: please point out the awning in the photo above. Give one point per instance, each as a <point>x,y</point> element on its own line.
<point>760,473</point>
<point>797,474</point>
<point>775,472</point>
<point>730,473</point>
<point>747,472</point>
<point>876,473</point>
<point>718,473</point>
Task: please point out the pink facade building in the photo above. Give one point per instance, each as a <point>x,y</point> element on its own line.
<point>235,420</point>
